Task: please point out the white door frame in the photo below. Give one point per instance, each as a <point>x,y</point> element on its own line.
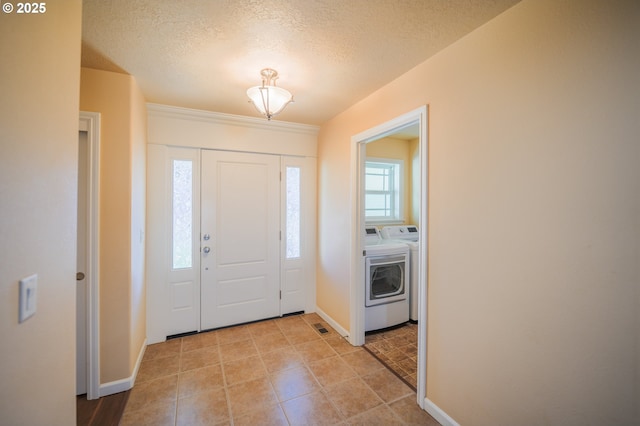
<point>90,123</point>
<point>358,154</point>
<point>159,230</point>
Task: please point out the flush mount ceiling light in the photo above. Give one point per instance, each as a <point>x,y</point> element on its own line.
<point>268,99</point>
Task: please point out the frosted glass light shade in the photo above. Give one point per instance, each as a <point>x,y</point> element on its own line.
<point>269,100</point>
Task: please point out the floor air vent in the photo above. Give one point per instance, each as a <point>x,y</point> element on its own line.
<point>320,328</point>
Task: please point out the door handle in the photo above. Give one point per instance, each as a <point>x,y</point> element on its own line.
<point>79,276</point>
<point>206,250</point>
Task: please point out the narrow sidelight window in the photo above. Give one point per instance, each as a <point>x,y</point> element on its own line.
<point>182,212</point>
<point>293,212</point>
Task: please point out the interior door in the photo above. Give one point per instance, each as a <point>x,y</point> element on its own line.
<point>240,238</point>
<point>81,267</point>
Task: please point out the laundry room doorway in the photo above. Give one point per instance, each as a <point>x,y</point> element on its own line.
<point>410,120</point>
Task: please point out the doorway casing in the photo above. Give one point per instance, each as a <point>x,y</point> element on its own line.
<point>358,154</point>
<point>90,123</point>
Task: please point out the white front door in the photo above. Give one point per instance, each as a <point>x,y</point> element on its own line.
<point>240,238</point>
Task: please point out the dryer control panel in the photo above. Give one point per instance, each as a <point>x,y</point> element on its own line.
<point>371,235</point>
<point>401,232</point>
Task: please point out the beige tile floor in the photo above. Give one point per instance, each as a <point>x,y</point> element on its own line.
<point>276,372</point>
<point>398,350</point>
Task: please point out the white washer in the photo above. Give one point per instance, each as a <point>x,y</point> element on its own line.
<point>387,282</point>
<point>409,235</point>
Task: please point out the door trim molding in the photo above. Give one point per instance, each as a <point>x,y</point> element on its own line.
<point>90,122</point>
<point>356,325</point>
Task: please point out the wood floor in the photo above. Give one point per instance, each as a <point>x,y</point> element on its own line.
<point>106,411</point>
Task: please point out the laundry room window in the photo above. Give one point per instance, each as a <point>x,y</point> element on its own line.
<point>293,212</point>
<point>383,190</point>
<point>182,212</point>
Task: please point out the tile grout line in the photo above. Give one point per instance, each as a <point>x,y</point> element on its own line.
<point>175,417</point>
<point>322,388</point>
<point>225,384</point>
<point>269,375</point>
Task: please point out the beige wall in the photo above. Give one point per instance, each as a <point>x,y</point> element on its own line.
<point>40,76</point>
<point>533,214</point>
<point>138,324</point>
<point>122,177</point>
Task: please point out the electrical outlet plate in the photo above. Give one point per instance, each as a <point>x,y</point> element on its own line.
<point>28,299</point>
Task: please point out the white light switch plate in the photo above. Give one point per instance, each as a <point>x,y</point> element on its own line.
<point>28,299</point>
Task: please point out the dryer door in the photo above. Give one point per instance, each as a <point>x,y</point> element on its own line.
<point>386,279</point>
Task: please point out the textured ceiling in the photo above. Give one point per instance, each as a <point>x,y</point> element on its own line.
<point>204,54</point>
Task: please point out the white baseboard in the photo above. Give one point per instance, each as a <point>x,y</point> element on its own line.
<point>127,383</point>
<point>436,412</point>
<point>116,386</point>
<point>337,327</point>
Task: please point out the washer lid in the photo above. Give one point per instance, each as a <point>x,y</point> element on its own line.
<point>385,247</point>
<point>401,232</point>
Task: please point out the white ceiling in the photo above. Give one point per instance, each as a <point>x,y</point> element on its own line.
<point>204,54</point>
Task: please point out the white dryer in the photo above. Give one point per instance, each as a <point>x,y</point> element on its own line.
<point>386,281</point>
<point>408,234</point>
